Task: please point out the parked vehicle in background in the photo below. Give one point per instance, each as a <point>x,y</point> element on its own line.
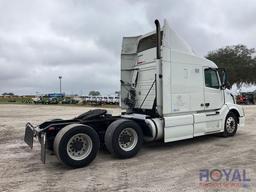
<point>104,100</point>
<point>110,100</point>
<point>36,100</point>
<point>246,98</point>
<point>52,98</point>
<point>69,100</point>
<point>100,100</point>
<point>240,99</point>
<point>86,99</point>
<point>116,100</point>
<point>93,99</point>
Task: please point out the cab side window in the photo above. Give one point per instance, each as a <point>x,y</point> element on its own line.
<point>211,78</point>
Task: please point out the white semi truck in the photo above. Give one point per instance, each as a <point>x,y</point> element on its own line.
<point>169,94</point>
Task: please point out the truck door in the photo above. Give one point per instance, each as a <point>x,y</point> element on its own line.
<point>213,99</point>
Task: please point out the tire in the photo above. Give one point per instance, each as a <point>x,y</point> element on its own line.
<point>126,130</point>
<point>69,152</point>
<point>231,123</point>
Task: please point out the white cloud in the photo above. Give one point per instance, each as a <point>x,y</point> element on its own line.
<point>81,39</point>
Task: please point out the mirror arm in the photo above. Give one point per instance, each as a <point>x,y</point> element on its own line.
<point>223,87</point>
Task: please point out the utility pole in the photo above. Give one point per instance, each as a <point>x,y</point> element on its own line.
<point>60,77</point>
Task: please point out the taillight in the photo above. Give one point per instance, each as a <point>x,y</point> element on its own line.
<point>51,128</point>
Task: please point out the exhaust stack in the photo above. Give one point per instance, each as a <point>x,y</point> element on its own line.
<point>159,79</point>
<point>158,40</point>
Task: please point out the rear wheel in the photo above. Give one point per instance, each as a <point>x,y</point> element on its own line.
<point>123,138</point>
<point>230,125</point>
<point>76,145</point>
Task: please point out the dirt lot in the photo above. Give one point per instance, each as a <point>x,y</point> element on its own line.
<point>158,167</point>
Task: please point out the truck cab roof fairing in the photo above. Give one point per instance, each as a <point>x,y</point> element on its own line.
<point>173,41</point>
<point>170,39</point>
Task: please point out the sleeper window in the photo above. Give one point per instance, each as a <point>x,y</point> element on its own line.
<point>148,42</point>
<point>211,78</point>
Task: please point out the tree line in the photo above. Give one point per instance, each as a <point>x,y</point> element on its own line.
<point>239,62</point>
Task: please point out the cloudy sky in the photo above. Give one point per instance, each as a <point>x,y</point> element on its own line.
<point>81,40</point>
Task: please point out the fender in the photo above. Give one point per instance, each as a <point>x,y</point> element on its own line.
<point>236,107</point>
<point>239,111</point>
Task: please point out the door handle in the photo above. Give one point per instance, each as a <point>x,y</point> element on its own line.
<point>202,105</point>
<point>207,104</point>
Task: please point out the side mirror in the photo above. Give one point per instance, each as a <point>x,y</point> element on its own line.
<point>228,86</point>
<point>223,78</point>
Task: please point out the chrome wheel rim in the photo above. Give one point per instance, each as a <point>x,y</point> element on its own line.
<point>128,139</point>
<point>79,146</point>
<point>230,124</point>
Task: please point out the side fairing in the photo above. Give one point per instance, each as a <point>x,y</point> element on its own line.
<point>128,71</point>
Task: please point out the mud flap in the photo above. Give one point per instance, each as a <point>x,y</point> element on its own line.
<point>29,135</point>
<point>43,147</point>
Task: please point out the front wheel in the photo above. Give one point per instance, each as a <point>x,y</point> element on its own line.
<point>231,123</point>
<point>123,138</point>
<point>76,145</point>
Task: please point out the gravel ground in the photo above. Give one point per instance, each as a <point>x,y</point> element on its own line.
<point>158,167</point>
